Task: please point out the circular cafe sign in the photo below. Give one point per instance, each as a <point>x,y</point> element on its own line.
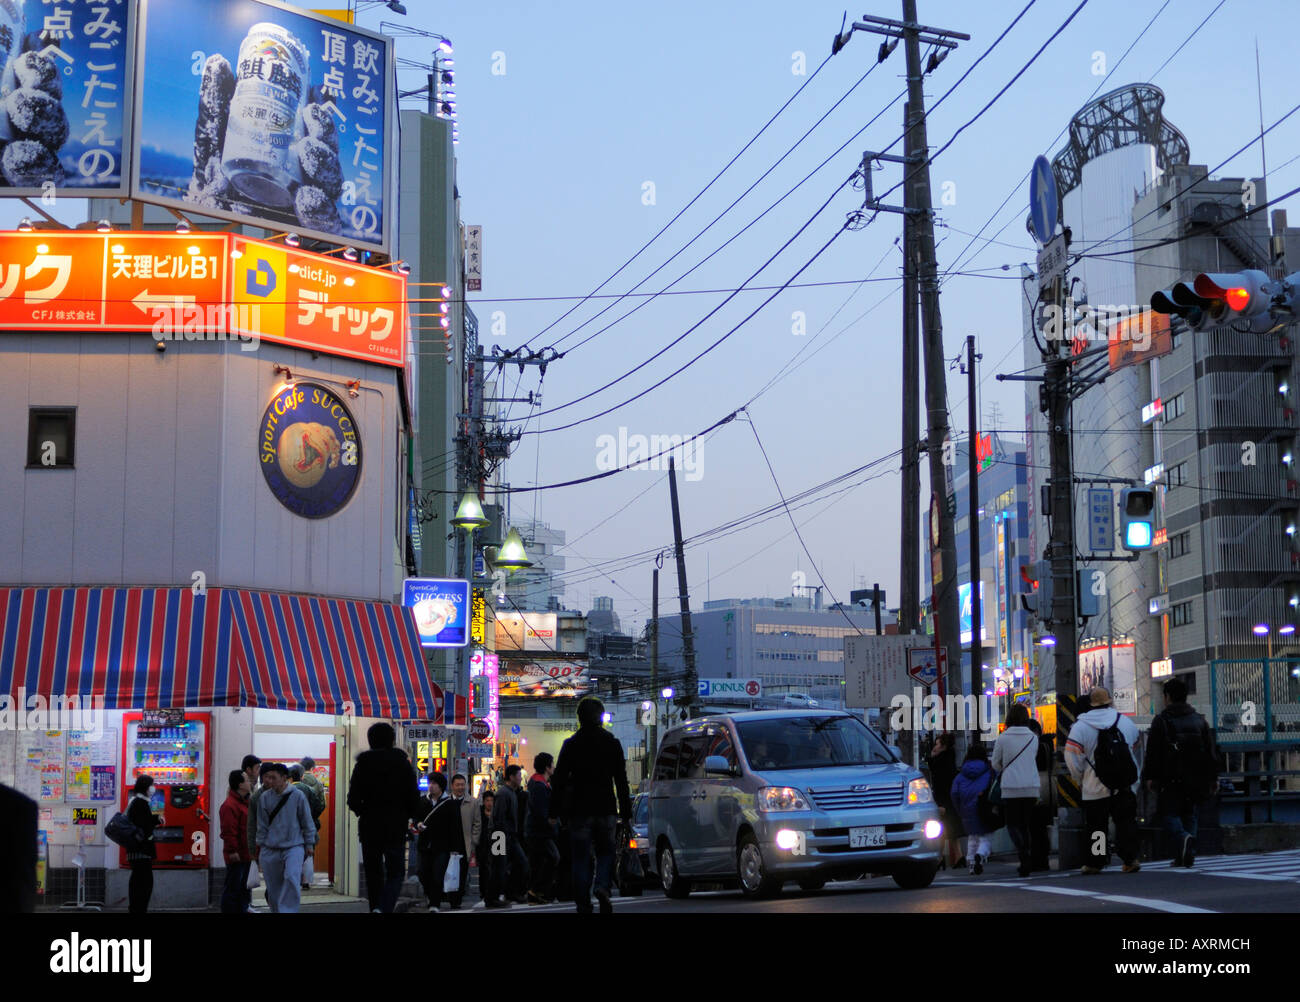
<point>309,450</point>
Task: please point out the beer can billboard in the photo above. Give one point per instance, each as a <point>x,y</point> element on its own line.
<point>265,114</point>
<point>65,98</point>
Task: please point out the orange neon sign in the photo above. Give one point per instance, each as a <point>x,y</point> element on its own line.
<point>202,283</point>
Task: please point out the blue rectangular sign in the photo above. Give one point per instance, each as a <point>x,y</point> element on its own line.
<point>65,97</point>
<point>441,608</point>
<point>262,113</point>
<point>1101,519</point>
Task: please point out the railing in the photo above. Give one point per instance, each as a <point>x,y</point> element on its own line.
<point>1255,707</point>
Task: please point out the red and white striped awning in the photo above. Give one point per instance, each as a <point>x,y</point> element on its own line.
<point>169,647</point>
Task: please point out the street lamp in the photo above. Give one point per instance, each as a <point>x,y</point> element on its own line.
<point>1264,630</point>
<point>469,514</point>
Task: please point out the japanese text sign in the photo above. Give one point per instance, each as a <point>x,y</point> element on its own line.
<point>263,113</point>
<point>65,96</point>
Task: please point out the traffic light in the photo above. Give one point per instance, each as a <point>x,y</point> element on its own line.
<point>1217,299</point>
<point>1137,518</point>
<point>1038,599</point>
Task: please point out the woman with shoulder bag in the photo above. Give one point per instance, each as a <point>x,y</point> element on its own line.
<point>139,812</point>
<point>1015,759</point>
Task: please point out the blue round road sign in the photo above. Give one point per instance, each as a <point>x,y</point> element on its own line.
<point>1043,203</point>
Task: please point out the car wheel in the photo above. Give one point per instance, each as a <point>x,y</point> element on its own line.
<point>754,880</point>
<point>674,884</point>
<point>812,883</point>
<point>914,876</point>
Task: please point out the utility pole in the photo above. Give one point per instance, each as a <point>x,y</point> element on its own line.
<point>691,694</point>
<point>654,666</point>
<point>973,497</point>
<point>909,572</point>
<point>916,183</point>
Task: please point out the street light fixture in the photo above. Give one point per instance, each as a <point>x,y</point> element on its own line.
<point>469,515</point>
<point>512,556</point>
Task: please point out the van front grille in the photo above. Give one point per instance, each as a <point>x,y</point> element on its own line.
<point>848,798</point>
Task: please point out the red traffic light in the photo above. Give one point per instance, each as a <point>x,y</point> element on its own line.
<point>1243,291</point>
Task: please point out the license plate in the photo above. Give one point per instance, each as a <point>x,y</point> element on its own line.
<point>866,838</point>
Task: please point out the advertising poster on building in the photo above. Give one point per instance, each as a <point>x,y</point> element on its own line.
<point>544,678</point>
<point>1095,669</point>
<point>441,607</point>
<point>86,753</point>
<point>65,97</point>
<point>964,598</point>
<point>526,631</point>
<point>266,114</point>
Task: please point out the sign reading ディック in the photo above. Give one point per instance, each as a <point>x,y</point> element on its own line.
<point>309,450</point>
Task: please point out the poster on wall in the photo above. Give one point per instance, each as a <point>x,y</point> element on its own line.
<point>1118,674</point>
<point>309,450</point>
<point>65,98</point>
<point>39,766</point>
<point>86,752</point>
<point>442,609</point>
<point>265,114</point>
<point>526,631</point>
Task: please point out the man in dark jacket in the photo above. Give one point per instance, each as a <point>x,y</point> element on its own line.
<point>509,864</point>
<point>589,789</point>
<point>384,795</point>
<point>18,821</point>
<point>539,830</point>
<point>1181,768</point>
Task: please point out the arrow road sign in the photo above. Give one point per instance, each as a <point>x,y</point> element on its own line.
<point>1044,205</point>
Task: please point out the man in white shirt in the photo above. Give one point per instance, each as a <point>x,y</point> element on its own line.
<point>1101,803</point>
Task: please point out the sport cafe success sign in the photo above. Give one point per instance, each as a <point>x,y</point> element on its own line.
<point>201,283</point>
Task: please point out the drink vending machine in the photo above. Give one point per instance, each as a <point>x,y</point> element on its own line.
<point>171,746</point>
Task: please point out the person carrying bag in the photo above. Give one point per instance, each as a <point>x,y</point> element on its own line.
<point>1015,791</point>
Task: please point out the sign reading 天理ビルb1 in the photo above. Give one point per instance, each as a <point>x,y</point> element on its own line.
<point>65,96</point>
<point>309,450</point>
<point>267,114</point>
<point>441,607</point>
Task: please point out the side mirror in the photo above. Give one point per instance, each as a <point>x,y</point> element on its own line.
<point>717,765</point>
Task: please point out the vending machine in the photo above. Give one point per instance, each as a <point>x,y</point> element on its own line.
<point>171,746</point>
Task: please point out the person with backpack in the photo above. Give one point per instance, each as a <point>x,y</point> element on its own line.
<point>1014,760</point>
<point>140,857</point>
<point>1098,756</point>
<point>315,795</point>
<point>1181,768</point>
<point>233,815</point>
<point>970,798</point>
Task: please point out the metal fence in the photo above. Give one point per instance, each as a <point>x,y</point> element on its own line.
<point>1255,708</point>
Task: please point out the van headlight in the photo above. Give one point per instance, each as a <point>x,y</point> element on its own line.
<point>782,798</point>
<point>919,792</point>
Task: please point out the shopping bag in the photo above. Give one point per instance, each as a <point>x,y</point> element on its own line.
<point>451,880</point>
<point>308,870</point>
<point>254,876</point>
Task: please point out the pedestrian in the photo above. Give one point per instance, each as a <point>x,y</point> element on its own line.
<point>974,779</point>
<point>539,831</point>
<point>509,864</point>
<point>140,858</point>
<point>1098,757</point>
<point>285,835</point>
<point>483,851</point>
<point>262,769</point>
<point>943,770</point>
<point>467,809</point>
<point>251,767</point>
<point>439,838</point>
<point>1181,768</point>
<point>592,776</point>
<point>1040,842</point>
<point>312,785</point>
<point>1014,759</point>
<point>233,815</point>
<point>315,795</point>
<point>384,795</point>
<point>19,818</point>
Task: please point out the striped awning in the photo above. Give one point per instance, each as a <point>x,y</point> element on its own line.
<point>169,647</point>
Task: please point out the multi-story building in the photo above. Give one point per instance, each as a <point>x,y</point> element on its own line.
<point>542,585</point>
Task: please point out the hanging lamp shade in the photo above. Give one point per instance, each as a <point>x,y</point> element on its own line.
<point>511,555</point>
<point>469,515</point>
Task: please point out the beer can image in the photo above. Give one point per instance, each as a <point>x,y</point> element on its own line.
<point>270,87</point>
<point>13,28</point>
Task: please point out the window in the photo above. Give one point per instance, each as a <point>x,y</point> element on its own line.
<point>1180,614</point>
<point>1175,338</point>
<point>720,744</point>
<point>731,654</point>
<point>810,742</point>
<point>690,762</point>
<point>1180,545</point>
<point>666,764</point>
<point>641,813</point>
<point>51,433</point>
<point>1174,407</point>
<point>1176,476</point>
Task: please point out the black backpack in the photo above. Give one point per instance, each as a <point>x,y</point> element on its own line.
<point>1112,761</point>
<point>1190,764</point>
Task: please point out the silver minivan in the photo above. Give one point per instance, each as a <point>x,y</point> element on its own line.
<point>806,795</point>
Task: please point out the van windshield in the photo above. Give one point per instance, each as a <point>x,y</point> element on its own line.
<point>810,743</point>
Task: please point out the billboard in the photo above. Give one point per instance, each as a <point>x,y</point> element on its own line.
<point>1139,338</point>
<point>265,114</point>
<point>544,678</point>
<point>441,607</point>
<point>485,690</point>
<point>964,598</point>
<point>526,631</point>
<point>187,286</point>
<point>730,688</point>
<point>1095,669</point>
<point>65,96</point>
<point>875,668</point>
